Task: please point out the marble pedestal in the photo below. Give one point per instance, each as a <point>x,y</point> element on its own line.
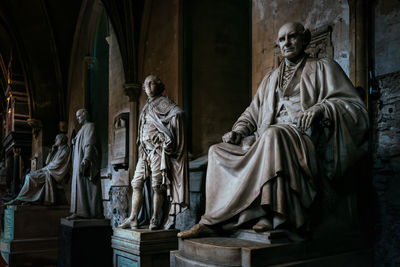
<point>143,247</point>
<point>351,250</point>
<point>31,234</point>
<point>85,243</point>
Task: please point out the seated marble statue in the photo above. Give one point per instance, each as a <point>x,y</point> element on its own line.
<point>305,126</point>
<point>162,157</point>
<point>40,185</point>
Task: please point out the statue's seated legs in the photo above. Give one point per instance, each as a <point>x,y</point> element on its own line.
<point>38,188</point>
<point>268,183</point>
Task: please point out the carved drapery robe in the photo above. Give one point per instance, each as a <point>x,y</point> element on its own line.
<point>85,186</point>
<point>167,118</point>
<point>40,185</point>
<point>280,170</point>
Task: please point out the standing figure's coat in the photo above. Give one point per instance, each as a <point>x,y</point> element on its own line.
<point>86,188</point>
<point>167,117</point>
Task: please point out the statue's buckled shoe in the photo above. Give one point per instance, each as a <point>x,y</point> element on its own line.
<point>134,223</point>
<point>153,224</point>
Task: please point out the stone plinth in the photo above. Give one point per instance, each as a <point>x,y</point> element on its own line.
<point>85,243</point>
<point>143,247</point>
<point>31,234</point>
<point>227,251</point>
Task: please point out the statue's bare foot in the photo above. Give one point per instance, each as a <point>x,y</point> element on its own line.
<point>196,231</point>
<point>130,222</point>
<point>263,225</point>
<point>73,216</point>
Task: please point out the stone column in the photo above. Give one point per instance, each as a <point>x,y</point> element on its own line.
<point>359,44</point>
<point>133,90</point>
<point>15,186</point>
<point>88,63</point>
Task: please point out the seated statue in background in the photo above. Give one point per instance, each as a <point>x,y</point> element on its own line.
<point>162,157</point>
<point>305,126</point>
<point>40,185</point>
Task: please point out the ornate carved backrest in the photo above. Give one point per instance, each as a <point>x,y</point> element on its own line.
<point>319,47</point>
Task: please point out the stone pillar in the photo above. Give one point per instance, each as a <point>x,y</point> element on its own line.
<point>133,90</point>
<point>15,186</point>
<point>359,44</point>
<point>88,63</point>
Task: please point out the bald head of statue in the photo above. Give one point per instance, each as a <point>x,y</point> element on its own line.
<point>293,39</point>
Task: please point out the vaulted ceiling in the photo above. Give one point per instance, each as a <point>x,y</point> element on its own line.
<point>39,33</point>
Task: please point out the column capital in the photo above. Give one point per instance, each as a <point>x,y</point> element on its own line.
<point>36,126</point>
<point>133,90</point>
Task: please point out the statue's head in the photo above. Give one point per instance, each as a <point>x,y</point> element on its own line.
<point>293,40</point>
<point>61,139</point>
<point>82,115</point>
<point>153,86</point>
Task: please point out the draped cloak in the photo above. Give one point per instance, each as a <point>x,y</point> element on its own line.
<point>167,118</point>
<point>280,170</point>
<point>85,187</point>
<point>40,185</point>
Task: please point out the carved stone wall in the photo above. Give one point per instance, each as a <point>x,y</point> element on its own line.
<point>118,207</point>
<point>386,169</point>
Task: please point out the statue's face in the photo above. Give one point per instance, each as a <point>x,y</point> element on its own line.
<point>81,116</point>
<point>290,41</point>
<point>151,87</point>
<point>58,140</point>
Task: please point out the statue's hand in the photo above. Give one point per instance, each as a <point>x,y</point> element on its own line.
<point>232,137</point>
<point>84,165</point>
<point>53,148</point>
<point>158,138</point>
<point>312,114</point>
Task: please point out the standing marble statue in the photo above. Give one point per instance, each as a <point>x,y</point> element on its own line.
<point>40,185</point>
<point>305,124</point>
<point>162,157</point>
<point>86,202</point>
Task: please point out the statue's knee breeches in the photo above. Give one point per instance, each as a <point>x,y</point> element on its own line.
<point>153,164</point>
<point>156,183</point>
<point>140,175</point>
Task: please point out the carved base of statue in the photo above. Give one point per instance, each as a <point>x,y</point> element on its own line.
<point>31,234</point>
<point>85,242</point>
<point>345,250</point>
<point>143,247</point>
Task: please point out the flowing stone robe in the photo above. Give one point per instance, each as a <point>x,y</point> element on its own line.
<point>86,188</point>
<point>40,185</point>
<point>281,170</point>
<point>167,118</point>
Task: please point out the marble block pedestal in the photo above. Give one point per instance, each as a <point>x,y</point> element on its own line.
<point>85,243</point>
<point>31,234</point>
<point>143,247</point>
<point>344,251</point>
